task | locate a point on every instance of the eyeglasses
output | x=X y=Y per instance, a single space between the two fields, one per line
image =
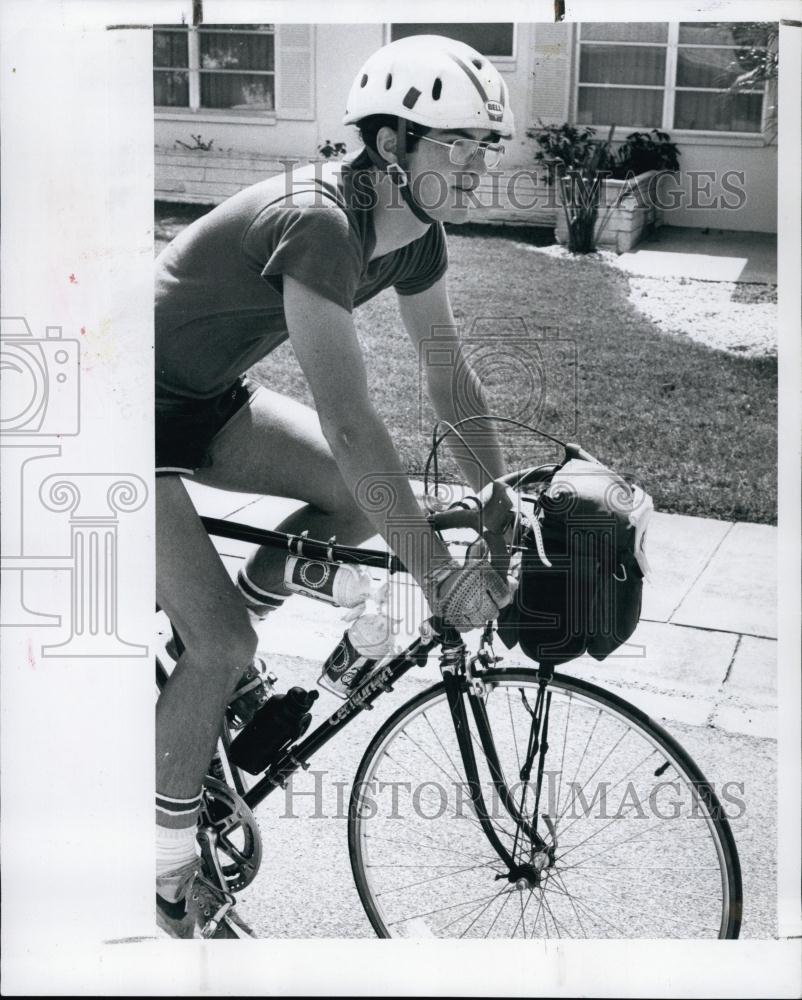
x=464 y=150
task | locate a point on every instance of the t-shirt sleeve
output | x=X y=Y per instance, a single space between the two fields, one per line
x=313 y=244
x=429 y=262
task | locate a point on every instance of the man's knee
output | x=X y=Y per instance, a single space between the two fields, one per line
x=228 y=646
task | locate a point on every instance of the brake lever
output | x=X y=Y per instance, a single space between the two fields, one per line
x=498 y=515
x=492 y=516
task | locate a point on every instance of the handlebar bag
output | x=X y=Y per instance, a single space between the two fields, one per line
x=580 y=585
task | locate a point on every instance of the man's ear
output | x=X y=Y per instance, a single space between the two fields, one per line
x=387 y=144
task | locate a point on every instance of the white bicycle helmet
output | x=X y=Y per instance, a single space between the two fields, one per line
x=432 y=81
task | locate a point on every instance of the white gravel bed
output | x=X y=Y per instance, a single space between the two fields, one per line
x=737 y=318
x=705 y=312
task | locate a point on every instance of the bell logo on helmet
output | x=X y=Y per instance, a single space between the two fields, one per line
x=494 y=110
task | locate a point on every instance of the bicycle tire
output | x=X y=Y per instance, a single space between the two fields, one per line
x=696 y=889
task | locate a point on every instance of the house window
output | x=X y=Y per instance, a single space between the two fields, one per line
x=669 y=76
x=495 y=40
x=215 y=67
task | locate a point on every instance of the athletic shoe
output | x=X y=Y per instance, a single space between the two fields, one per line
x=203 y=911
x=250 y=694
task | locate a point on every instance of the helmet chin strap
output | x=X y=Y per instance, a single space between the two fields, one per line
x=397 y=172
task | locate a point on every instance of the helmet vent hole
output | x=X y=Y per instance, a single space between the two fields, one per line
x=388 y=82
x=437 y=89
x=364 y=80
x=477 y=63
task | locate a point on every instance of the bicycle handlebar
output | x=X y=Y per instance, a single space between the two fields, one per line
x=492 y=511
x=490 y=518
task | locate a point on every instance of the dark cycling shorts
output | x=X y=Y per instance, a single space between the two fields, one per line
x=186 y=427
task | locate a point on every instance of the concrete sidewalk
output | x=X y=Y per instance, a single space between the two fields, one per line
x=708 y=254
x=705 y=652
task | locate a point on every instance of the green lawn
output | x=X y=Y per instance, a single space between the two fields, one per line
x=558 y=344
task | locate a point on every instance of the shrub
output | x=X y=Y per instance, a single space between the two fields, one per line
x=642 y=151
x=565 y=146
x=570 y=147
x=580 y=163
x=331 y=150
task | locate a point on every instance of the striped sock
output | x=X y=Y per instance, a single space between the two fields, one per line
x=259 y=602
x=176 y=844
x=175 y=814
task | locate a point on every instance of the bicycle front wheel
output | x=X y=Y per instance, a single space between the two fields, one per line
x=631 y=840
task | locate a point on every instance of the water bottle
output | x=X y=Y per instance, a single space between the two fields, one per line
x=336 y=583
x=363 y=645
x=277 y=724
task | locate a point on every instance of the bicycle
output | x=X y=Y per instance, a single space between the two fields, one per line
x=504 y=844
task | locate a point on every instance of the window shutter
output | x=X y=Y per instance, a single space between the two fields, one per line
x=551 y=86
x=295 y=71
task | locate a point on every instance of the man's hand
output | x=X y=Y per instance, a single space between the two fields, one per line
x=469 y=596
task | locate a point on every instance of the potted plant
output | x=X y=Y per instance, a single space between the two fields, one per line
x=606 y=197
x=331 y=150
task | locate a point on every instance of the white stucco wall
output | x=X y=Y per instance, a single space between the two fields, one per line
x=726 y=185
x=741 y=194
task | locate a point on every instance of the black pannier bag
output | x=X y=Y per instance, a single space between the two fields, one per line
x=581 y=581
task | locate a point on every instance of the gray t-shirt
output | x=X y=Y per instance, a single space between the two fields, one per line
x=219 y=306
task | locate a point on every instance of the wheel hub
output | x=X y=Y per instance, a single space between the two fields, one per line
x=525 y=877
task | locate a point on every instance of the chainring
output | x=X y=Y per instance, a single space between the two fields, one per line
x=232 y=834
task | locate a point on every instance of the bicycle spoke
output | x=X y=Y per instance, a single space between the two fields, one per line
x=635 y=836
x=585 y=750
x=418 y=866
x=426 y=754
x=514 y=735
x=634 y=912
x=604 y=759
x=478 y=915
x=459 y=781
x=451 y=906
x=500 y=911
x=619 y=930
x=653 y=889
x=448 y=756
x=430 y=847
x=571 y=900
x=592 y=836
x=472 y=819
x=523 y=911
x=428 y=881
x=562 y=758
x=623 y=778
x=482 y=907
x=554 y=920
x=611 y=876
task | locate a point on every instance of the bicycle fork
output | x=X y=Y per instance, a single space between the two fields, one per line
x=523 y=874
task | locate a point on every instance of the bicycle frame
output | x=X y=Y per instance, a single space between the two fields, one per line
x=455 y=675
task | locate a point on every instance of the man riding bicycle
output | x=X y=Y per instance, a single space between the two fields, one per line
x=291 y=257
